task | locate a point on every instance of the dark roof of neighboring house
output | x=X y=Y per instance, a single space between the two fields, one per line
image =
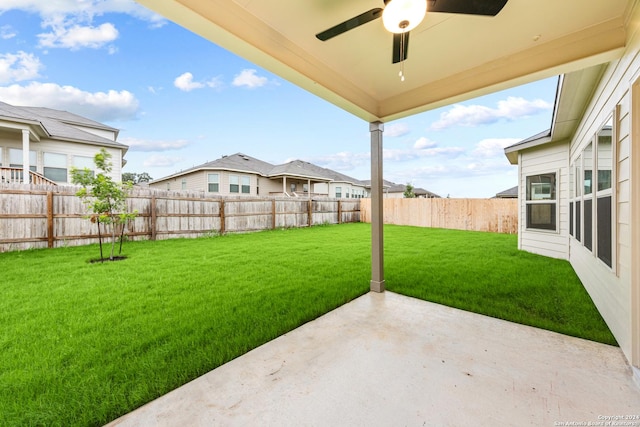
x=59 y=124
x=242 y=163
x=301 y=169
x=392 y=187
x=237 y=162
x=422 y=192
x=510 y=193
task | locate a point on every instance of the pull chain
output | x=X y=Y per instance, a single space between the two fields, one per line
x=403 y=25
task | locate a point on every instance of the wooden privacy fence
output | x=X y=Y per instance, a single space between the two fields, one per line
x=494 y=215
x=39 y=216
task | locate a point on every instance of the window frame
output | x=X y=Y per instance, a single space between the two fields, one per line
x=46 y=170
x=245 y=184
x=590 y=200
x=530 y=202
x=215 y=183
x=234 y=184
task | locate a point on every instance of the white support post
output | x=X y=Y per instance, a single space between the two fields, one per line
x=309 y=188
x=25 y=157
x=284 y=186
x=377 y=220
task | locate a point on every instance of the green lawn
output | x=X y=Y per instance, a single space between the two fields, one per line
x=81 y=343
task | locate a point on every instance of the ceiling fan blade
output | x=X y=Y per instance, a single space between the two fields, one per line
x=469 y=7
x=400 y=48
x=350 y=24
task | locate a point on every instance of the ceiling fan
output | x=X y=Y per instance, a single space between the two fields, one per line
x=401 y=16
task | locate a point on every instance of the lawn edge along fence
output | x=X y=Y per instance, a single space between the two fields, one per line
x=47 y=216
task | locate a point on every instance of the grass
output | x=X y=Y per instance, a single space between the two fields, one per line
x=81 y=343
x=487 y=274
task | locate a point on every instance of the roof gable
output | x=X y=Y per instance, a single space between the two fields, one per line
x=59 y=124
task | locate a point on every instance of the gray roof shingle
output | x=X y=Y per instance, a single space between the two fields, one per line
x=59 y=124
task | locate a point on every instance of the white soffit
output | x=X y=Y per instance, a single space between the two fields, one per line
x=450 y=58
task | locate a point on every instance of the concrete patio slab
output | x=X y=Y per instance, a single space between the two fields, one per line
x=390 y=360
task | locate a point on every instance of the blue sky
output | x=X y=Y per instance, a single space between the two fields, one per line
x=180 y=101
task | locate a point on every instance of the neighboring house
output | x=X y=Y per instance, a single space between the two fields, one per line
x=242 y=175
x=391 y=190
x=510 y=193
x=579 y=188
x=50 y=142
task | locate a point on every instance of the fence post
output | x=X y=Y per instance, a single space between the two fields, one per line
x=339 y=212
x=273 y=214
x=153 y=217
x=309 y=212
x=222 y=220
x=50 y=219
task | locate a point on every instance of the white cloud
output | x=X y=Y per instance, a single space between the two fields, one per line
x=159 y=160
x=7 y=32
x=77 y=36
x=100 y=106
x=423 y=148
x=70 y=23
x=423 y=143
x=15 y=67
x=249 y=79
x=396 y=129
x=473 y=115
x=406 y=155
x=84 y=10
x=136 y=144
x=343 y=161
x=493 y=147
x=185 y=82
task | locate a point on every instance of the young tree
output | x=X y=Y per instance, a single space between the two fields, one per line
x=105 y=199
x=408 y=192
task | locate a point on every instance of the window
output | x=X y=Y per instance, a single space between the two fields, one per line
x=591 y=207
x=234 y=184
x=541 y=202
x=83 y=162
x=213 y=182
x=15 y=159
x=571 y=197
x=183 y=184
x=55 y=167
x=603 y=209
x=293 y=187
x=246 y=185
x=338 y=192
x=587 y=217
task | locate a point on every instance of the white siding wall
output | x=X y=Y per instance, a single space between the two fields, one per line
x=69 y=149
x=549 y=158
x=198 y=181
x=609 y=288
x=268 y=186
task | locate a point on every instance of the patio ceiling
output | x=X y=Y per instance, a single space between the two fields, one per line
x=450 y=57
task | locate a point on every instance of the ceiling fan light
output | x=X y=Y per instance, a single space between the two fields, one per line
x=400 y=16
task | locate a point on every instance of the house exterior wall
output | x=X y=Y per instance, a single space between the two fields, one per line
x=198 y=181
x=614 y=289
x=270 y=187
x=549 y=158
x=10 y=141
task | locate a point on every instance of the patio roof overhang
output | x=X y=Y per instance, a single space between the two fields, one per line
x=451 y=57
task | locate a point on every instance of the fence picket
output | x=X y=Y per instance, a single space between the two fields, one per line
x=38 y=216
